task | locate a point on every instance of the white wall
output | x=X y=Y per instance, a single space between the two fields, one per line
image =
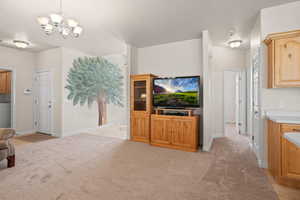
x=78 y=119
x=223 y=59
x=173 y=59
x=119 y=115
x=23 y=63
x=52 y=60
x=75 y=118
x=229 y=96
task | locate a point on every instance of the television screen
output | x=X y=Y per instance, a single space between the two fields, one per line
x=176 y=92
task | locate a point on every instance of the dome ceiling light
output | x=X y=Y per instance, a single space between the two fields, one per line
x=21 y=44
x=234 y=41
x=56 y=22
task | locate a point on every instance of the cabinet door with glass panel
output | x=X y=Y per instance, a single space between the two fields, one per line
x=141 y=93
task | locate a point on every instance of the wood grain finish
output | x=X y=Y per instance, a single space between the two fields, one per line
x=283 y=156
x=287 y=62
x=5 y=82
x=290 y=160
x=284 y=59
x=178 y=132
x=140 y=125
x=11 y=161
x=160 y=130
x=140 y=118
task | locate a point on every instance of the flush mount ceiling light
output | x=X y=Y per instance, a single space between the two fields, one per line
x=21 y=44
x=55 y=22
x=234 y=40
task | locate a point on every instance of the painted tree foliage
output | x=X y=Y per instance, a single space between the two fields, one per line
x=94 y=79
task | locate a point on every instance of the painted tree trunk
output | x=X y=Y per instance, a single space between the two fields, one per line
x=101 y=110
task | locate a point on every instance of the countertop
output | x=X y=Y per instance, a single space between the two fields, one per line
x=282 y=116
x=293 y=137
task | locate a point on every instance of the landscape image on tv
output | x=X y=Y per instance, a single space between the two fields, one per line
x=176 y=92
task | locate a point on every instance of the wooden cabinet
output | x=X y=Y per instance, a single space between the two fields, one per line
x=178 y=132
x=5 y=82
x=141 y=107
x=283 y=156
x=161 y=130
x=290 y=160
x=283 y=59
x=184 y=132
x=140 y=125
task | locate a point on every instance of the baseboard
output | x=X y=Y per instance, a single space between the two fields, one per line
x=25 y=132
x=208 y=146
x=70 y=133
x=264 y=164
x=219 y=135
x=92 y=130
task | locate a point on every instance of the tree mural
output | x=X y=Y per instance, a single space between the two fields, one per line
x=94 y=79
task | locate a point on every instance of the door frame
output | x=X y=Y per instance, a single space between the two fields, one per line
x=242 y=73
x=12 y=96
x=35 y=94
x=257 y=138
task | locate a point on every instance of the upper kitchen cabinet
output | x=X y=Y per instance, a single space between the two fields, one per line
x=283 y=59
x=5 y=82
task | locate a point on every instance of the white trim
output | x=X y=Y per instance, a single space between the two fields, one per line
x=207 y=147
x=26 y=132
x=129 y=66
x=85 y=130
x=207 y=83
x=13 y=95
x=36 y=72
x=219 y=134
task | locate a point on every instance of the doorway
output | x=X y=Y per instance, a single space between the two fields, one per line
x=7 y=97
x=43 y=102
x=234 y=102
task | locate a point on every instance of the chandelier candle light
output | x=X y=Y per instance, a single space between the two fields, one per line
x=56 y=23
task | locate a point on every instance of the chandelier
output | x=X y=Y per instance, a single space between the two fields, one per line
x=56 y=22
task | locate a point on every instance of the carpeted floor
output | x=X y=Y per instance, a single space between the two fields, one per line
x=89 y=167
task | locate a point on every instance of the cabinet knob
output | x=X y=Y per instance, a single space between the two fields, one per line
x=290 y=55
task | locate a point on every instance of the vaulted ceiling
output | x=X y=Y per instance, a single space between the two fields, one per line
x=107 y=23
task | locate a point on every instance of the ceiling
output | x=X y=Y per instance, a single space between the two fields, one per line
x=141 y=23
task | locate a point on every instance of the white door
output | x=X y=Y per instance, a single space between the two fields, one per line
x=237 y=103
x=256 y=104
x=240 y=102
x=43 y=102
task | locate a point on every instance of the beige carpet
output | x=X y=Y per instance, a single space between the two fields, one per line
x=89 y=167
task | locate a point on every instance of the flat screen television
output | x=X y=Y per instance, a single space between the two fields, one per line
x=178 y=92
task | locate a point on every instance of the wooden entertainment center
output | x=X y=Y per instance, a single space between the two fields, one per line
x=152 y=125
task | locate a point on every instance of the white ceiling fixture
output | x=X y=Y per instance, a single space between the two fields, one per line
x=235 y=40
x=55 y=22
x=21 y=44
